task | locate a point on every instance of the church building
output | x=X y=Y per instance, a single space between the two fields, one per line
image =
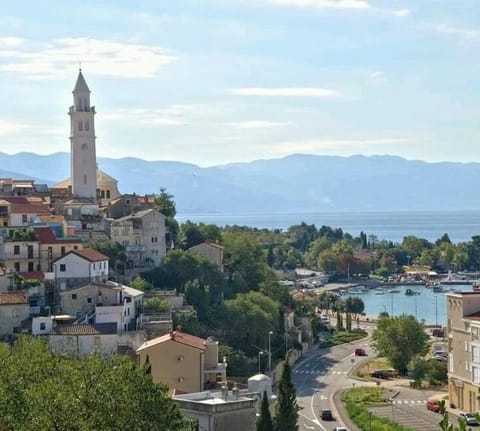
x=87 y=182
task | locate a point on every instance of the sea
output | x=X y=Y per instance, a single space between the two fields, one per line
x=385 y=225
x=426 y=305
x=392 y=226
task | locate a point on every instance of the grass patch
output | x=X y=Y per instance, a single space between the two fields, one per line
x=358 y=401
x=342 y=337
x=375 y=364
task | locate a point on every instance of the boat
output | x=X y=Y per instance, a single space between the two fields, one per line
x=393 y=290
x=379 y=291
x=476 y=286
x=438 y=288
x=410 y=292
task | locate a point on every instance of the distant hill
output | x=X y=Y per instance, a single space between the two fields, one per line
x=296 y=183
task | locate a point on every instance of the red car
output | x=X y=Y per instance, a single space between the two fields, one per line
x=360 y=352
x=434 y=406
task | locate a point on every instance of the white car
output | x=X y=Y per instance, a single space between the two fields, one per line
x=470 y=418
x=340 y=429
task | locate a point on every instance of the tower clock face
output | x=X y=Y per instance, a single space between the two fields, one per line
x=84 y=146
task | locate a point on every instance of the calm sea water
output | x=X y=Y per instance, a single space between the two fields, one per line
x=393 y=226
x=428 y=305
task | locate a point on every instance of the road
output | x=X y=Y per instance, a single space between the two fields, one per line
x=323 y=372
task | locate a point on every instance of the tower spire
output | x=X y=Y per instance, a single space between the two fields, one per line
x=81 y=85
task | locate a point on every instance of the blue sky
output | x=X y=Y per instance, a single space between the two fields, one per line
x=219 y=81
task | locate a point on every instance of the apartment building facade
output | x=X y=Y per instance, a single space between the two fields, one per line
x=463 y=315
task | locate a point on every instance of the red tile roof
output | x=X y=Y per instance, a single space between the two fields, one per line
x=90 y=254
x=13 y=298
x=45 y=235
x=179 y=337
x=474 y=316
x=32 y=275
x=92 y=329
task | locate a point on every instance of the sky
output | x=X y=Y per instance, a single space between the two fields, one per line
x=213 y=82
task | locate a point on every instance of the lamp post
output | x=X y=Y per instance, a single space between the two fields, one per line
x=270 y=351
x=260 y=353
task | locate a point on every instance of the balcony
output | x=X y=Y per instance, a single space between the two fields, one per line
x=135 y=248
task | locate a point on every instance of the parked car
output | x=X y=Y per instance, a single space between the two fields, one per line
x=326 y=415
x=360 y=352
x=434 y=406
x=470 y=418
x=340 y=429
x=384 y=374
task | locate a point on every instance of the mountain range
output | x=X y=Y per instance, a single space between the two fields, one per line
x=297 y=183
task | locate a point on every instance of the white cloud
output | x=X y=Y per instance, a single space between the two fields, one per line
x=145 y=117
x=346 y=5
x=101 y=57
x=284 y=91
x=325 y=4
x=378 y=76
x=401 y=13
x=8 y=127
x=259 y=124
x=10 y=41
x=467 y=35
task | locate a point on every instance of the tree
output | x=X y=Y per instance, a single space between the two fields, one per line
x=165 y=204
x=286 y=408
x=265 y=422
x=247 y=320
x=43 y=391
x=399 y=339
x=156 y=305
x=140 y=283
x=417 y=370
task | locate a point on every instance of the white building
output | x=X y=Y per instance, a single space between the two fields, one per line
x=143 y=236
x=14 y=309
x=82 y=340
x=104 y=303
x=79 y=267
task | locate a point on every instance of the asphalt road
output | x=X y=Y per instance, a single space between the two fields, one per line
x=323 y=372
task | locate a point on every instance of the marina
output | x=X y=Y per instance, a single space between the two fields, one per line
x=427 y=304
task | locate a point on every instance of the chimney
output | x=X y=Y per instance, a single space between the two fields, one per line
x=224 y=391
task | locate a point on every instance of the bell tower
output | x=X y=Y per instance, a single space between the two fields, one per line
x=82 y=142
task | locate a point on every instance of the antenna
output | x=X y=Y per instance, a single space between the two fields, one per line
x=80 y=66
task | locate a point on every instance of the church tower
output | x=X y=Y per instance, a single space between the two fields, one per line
x=82 y=142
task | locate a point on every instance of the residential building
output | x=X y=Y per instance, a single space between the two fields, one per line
x=104 y=303
x=79 y=267
x=143 y=236
x=211 y=251
x=183 y=362
x=83 y=340
x=220 y=410
x=128 y=204
x=14 y=310
x=463 y=326
x=51 y=247
x=22 y=211
x=20 y=255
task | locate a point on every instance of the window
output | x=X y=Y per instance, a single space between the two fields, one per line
x=63 y=250
x=43 y=326
x=74 y=296
x=17 y=266
x=16 y=249
x=89 y=300
x=63 y=267
x=87 y=125
x=75 y=247
x=102 y=194
x=94 y=265
x=476 y=354
x=24 y=218
x=80 y=125
x=476 y=375
x=108 y=194
x=30 y=266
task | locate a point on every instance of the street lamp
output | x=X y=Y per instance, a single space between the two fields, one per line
x=260 y=353
x=270 y=351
